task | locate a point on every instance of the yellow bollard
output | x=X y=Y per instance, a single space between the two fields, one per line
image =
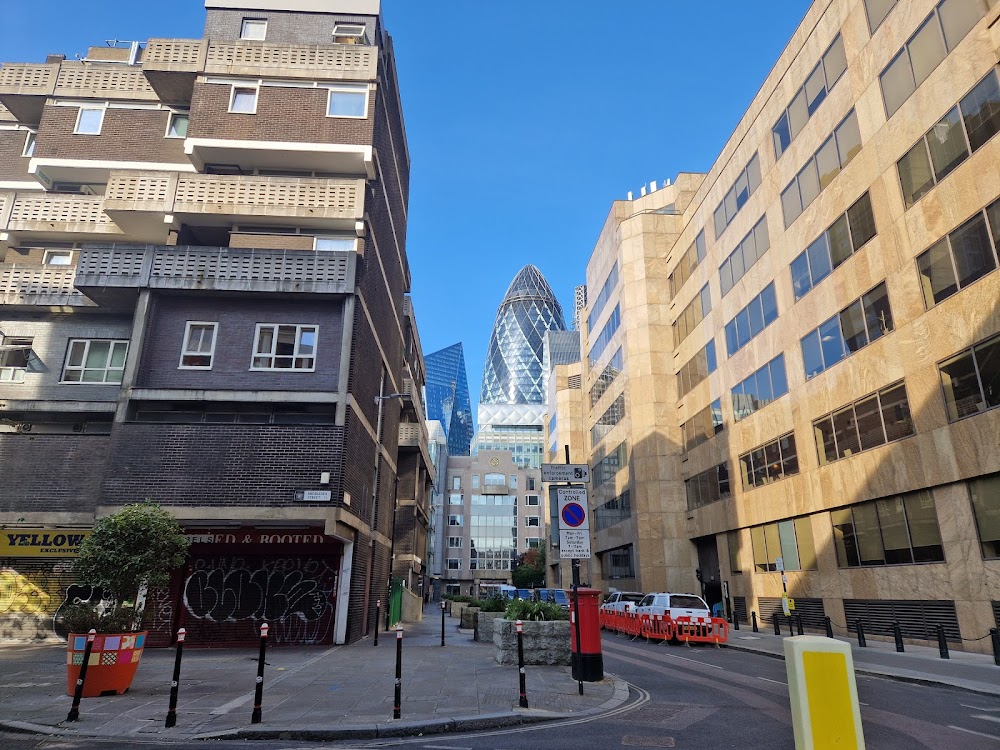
x=824 y=694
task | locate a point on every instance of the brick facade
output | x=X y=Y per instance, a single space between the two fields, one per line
x=51 y=473
x=13 y=166
x=283 y=27
x=126 y=135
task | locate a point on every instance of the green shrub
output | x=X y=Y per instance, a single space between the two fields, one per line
x=82 y=618
x=493 y=604
x=520 y=609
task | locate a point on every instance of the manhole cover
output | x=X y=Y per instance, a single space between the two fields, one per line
x=632 y=740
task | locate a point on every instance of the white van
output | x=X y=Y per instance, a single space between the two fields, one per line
x=675 y=605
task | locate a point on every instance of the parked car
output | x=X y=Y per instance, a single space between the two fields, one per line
x=675 y=605
x=554 y=596
x=617 y=600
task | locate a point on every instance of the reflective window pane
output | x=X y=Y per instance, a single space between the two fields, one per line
x=759 y=476
x=789 y=550
x=986 y=507
x=988 y=361
x=819 y=259
x=852 y=323
x=866 y=531
x=815 y=89
x=835 y=62
x=922 y=522
x=897 y=82
x=937 y=275
x=732 y=343
x=926 y=49
x=947 y=144
x=831 y=342
x=791 y=203
x=870 y=429
x=825 y=442
x=862 y=220
x=895 y=539
x=846 y=433
x=782 y=136
x=878 y=315
x=958 y=17
x=801 y=280
x=877 y=11
x=808 y=180
x=773 y=542
x=779 y=381
x=961 y=386
x=981 y=110
x=839 y=238
x=828 y=162
x=848 y=139
x=915 y=176
x=789 y=456
x=756 y=315
x=806 y=545
x=812 y=354
x=769 y=304
x=798 y=113
x=896 y=413
x=753 y=173
x=844 y=538
x=761 y=237
x=759 y=549
x=971 y=248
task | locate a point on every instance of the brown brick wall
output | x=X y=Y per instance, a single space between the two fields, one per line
x=126 y=135
x=13 y=166
x=283 y=114
x=272 y=241
x=51 y=473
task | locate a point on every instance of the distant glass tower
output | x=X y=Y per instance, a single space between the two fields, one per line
x=448 y=399
x=513 y=401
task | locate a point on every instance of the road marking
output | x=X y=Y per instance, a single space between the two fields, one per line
x=978 y=708
x=978 y=734
x=984 y=717
x=445 y=747
x=25 y=685
x=776 y=682
x=693 y=661
x=225 y=708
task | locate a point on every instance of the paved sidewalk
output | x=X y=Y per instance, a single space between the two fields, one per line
x=974 y=672
x=341 y=692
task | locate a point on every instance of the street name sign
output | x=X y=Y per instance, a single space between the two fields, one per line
x=565 y=473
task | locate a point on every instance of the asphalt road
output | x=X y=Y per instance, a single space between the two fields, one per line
x=698 y=697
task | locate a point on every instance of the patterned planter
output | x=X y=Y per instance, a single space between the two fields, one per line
x=113 y=662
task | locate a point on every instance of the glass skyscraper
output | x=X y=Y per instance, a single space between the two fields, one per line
x=513 y=396
x=448 y=399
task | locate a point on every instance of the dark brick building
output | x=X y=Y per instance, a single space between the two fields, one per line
x=204 y=303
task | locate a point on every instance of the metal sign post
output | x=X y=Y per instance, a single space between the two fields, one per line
x=574 y=536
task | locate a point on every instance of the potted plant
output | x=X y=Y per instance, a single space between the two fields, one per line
x=127 y=553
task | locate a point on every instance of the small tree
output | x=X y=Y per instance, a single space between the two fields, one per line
x=137 y=546
x=529 y=569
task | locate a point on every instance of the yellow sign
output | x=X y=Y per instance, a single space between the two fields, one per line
x=41 y=542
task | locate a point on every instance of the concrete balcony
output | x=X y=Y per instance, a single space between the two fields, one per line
x=411 y=398
x=53 y=216
x=113 y=274
x=32 y=286
x=25 y=87
x=140 y=200
x=410 y=435
x=95 y=80
x=171 y=65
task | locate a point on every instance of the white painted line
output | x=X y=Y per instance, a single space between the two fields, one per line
x=862 y=704
x=776 y=682
x=445 y=747
x=243 y=700
x=984 y=717
x=978 y=734
x=694 y=661
x=978 y=708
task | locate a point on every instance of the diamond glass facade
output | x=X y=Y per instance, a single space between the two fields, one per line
x=448 y=398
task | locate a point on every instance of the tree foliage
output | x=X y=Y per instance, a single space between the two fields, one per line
x=140 y=544
x=529 y=569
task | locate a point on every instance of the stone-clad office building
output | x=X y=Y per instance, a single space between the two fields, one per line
x=797 y=353
x=204 y=282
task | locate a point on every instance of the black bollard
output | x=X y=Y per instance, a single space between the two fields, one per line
x=862 y=643
x=798 y=623
x=442 y=623
x=897 y=634
x=942 y=643
x=523 y=702
x=829 y=627
x=736 y=621
x=398 y=698
x=753 y=618
x=378 y=619
x=175 y=682
x=995 y=637
x=777 y=625
x=74 y=712
x=258 y=697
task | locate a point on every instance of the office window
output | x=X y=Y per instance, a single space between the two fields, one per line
x=495 y=480
x=614 y=414
x=15 y=354
x=456 y=483
x=531 y=521
x=835 y=154
x=750 y=249
x=746 y=184
x=692 y=315
x=971 y=380
x=349 y=33
x=617 y=563
x=604 y=337
x=243 y=100
x=454 y=542
x=455 y=520
x=767 y=384
x=807 y=99
x=940 y=32
x=961 y=257
x=89 y=121
x=869 y=422
x=95 y=361
x=769 y=463
x=751 y=320
x=981 y=111
x=285 y=347
x=877 y=10
x=857 y=325
x=699 y=367
x=898 y=530
x=735 y=544
x=607 y=289
x=513 y=482
x=334 y=244
x=454 y=563
x=29 y=143
x=703 y=426
x=57 y=258
x=475 y=481
x=985 y=493
x=348 y=101
x=693 y=256
x=532 y=542
x=198 y=350
x=791 y=540
x=253 y=29
x=708 y=487
x=177 y=125
x=455 y=498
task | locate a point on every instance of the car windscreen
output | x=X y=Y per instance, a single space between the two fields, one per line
x=561 y=597
x=687 y=601
x=631 y=598
x=524 y=593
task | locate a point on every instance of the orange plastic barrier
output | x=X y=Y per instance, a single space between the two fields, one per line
x=702 y=629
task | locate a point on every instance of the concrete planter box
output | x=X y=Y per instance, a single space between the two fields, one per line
x=545 y=643
x=456 y=608
x=469 y=618
x=484 y=626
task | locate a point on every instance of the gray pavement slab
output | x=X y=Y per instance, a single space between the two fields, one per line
x=325 y=692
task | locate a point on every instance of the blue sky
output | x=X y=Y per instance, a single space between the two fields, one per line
x=525 y=119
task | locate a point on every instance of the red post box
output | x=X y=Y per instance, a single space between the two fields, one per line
x=588 y=663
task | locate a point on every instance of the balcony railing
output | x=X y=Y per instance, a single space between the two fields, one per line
x=28 y=79
x=225 y=269
x=56 y=213
x=22 y=284
x=108 y=80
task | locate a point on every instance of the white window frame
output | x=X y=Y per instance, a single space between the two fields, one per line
x=350 y=30
x=347 y=89
x=454 y=542
x=453 y=495
x=48 y=255
x=30 y=141
x=299 y=328
x=456 y=483
x=528 y=542
x=529 y=498
x=456 y=566
x=9 y=374
x=87 y=108
x=253 y=22
x=83 y=368
x=455 y=517
x=338 y=238
x=243 y=87
x=170 y=121
x=528 y=522
x=186 y=342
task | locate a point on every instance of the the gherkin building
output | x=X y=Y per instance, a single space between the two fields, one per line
x=514 y=373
